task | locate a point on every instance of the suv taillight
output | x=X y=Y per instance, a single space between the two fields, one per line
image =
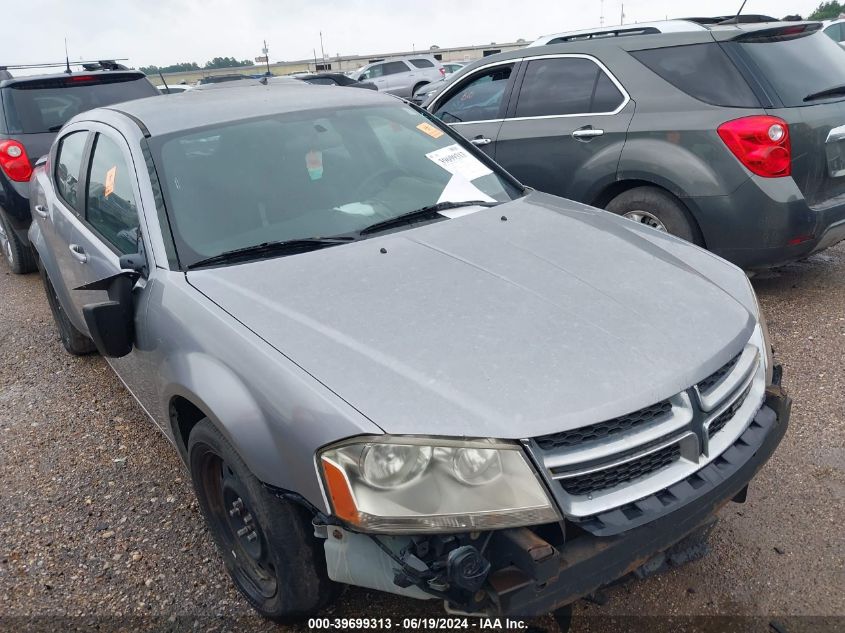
x=761 y=143
x=442 y=71
x=14 y=161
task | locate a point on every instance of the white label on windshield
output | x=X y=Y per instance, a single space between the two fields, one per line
x=456 y=160
x=459 y=189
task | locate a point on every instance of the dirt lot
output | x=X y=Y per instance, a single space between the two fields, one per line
x=98 y=521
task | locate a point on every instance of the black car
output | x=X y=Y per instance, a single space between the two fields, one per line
x=731 y=136
x=32 y=110
x=335 y=79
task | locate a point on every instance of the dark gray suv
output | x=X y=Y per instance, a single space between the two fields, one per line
x=732 y=137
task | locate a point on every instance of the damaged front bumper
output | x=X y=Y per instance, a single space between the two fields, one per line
x=587 y=562
x=527 y=572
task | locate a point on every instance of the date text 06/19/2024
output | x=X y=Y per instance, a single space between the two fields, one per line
x=444 y=624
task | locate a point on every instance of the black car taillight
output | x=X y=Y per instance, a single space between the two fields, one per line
x=14 y=161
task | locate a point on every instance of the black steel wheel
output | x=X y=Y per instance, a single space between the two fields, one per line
x=267 y=543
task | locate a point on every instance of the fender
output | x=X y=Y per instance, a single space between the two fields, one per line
x=221 y=395
x=677 y=169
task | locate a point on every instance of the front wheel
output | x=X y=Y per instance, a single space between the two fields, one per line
x=267 y=543
x=658 y=209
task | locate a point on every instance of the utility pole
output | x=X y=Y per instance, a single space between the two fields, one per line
x=321 y=46
x=601 y=17
x=266 y=52
x=622 y=17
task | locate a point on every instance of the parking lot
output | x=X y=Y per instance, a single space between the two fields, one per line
x=99 y=520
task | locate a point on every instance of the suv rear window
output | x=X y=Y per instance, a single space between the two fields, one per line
x=422 y=63
x=721 y=84
x=44 y=105
x=799 y=67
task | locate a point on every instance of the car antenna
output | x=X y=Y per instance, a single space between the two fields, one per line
x=67 y=59
x=742 y=6
x=166 y=88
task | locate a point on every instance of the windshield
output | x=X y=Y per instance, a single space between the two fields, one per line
x=312 y=174
x=34 y=107
x=800 y=67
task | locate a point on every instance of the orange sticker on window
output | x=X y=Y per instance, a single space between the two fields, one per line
x=108 y=188
x=429 y=129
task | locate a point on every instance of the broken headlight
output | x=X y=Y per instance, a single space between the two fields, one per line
x=416 y=485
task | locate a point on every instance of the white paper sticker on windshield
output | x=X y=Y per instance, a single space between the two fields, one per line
x=459 y=189
x=456 y=160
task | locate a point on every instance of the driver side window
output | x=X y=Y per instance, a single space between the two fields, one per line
x=479 y=98
x=111 y=209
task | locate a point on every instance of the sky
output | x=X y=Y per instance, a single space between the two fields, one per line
x=163 y=32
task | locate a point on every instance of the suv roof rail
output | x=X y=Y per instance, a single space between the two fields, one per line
x=620 y=31
x=97 y=64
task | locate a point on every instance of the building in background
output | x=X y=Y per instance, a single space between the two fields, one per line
x=345 y=63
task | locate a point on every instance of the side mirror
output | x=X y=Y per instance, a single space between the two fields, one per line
x=112 y=323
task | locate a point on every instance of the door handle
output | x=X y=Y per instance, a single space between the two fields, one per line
x=479 y=141
x=41 y=211
x=586 y=133
x=78 y=253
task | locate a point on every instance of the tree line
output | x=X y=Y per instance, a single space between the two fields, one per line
x=827 y=11
x=217 y=62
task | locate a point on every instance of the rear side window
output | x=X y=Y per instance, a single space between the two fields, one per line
x=68 y=162
x=799 y=68
x=111 y=208
x=45 y=105
x=394 y=68
x=566 y=85
x=702 y=71
x=422 y=63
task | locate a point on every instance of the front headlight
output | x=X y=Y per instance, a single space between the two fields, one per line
x=416 y=485
x=761 y=335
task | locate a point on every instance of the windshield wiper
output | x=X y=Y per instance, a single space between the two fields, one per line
x=55 y=128
x=271 y=249
x=426 y=213
x=828 y=92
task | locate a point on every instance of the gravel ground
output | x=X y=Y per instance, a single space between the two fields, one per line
x=98 y=521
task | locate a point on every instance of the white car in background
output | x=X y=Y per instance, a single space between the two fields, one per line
x=835 y=30
x=402 y=76
x=453 y=67
x=175 y=89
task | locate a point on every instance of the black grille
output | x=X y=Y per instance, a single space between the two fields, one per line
x=719 y=423
x=615 y=475
x=707 y=384
x=603 y=429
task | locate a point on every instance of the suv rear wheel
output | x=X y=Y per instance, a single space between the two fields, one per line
x=658 y=209
x=17 y=255
x=267 y=543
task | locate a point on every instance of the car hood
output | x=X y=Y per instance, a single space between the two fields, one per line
x=536 y=316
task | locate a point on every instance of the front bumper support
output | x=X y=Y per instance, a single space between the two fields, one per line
x=588 y=562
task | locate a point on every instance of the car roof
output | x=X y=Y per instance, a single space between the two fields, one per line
x=200 y=108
